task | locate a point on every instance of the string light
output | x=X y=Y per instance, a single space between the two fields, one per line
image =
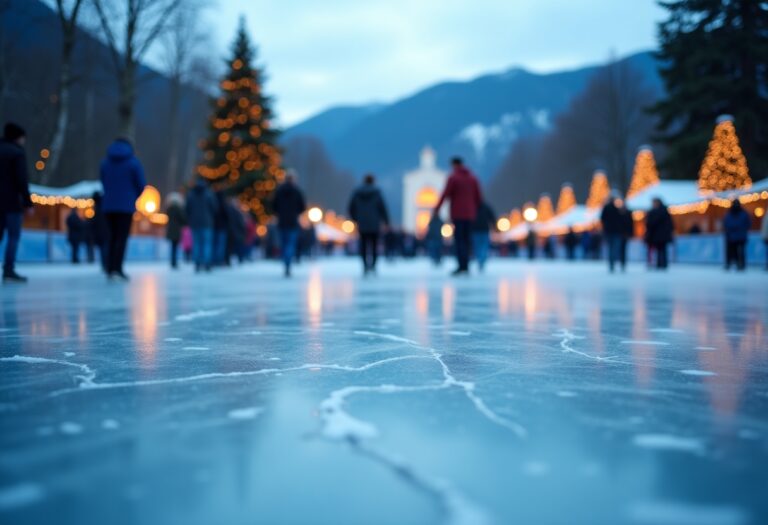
x=566 y=200
x=599 y=190
x=724 y=168
x=645 y=173
x=544 y=208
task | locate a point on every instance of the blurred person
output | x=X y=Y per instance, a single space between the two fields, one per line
x=482 y=226
x=369 y=211
x=463 y=191
x=764 y=235
x=434 y=240
x=177 y=219
x=14 y=196
x=736 y=226
x=288 y=204
x=98 y=230
x=614 y=219
x=659 y=231
x=586 y=244
x=122 y=177
x=186 y=242
x=530 y=243
x=75 y=234
x=570 y=241
x=221 y=230
x=201 y=209
x=236 y=231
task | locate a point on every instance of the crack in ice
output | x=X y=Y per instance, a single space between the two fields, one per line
x=86 y=380
x=565 y=343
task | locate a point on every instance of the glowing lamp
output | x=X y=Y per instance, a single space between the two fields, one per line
x=446 y=231
x=503 y=224
x=530 y=214
x=149 y=201
x=348 y=226
x=315 y=214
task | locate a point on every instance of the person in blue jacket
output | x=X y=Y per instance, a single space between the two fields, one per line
x=736 y=225
x=122 y=177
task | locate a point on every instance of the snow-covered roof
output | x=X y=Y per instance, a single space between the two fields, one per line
x=671 y=192
x=578 y=215
x=80 y=190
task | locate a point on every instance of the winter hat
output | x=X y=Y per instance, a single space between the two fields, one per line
x=13 y=132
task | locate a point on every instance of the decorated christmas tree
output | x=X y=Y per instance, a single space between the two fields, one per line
x=599 y=190
x=544 y=207
x=645 y=173
x=566 y=200
x=241 y=155
x=515 y=217
x=724 y=168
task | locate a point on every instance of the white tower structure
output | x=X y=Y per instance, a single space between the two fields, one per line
x=421 y=191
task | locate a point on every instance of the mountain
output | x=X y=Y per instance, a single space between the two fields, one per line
x=479 y=119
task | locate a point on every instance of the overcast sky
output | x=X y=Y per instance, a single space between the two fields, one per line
x=330 y=52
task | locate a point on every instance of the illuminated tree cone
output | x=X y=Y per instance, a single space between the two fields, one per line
x=515 y=217
x=566 y=200
x=599 y=190
x=241 y=154
x=544 y=207
x=645 y=173
x=724 y=168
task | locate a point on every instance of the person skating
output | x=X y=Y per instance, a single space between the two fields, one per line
x=288 y=204
x=659 y=230
x=463 y=190
x=76 y=234
x=484 y=223
x=368 y=209
x=736 y=226
x=98 y=230
x=14 y=196
x=434 y=240
x=122 y=177
x=614 y=220
x=570 y=241
x=201 y=209
x=764 y=235
x=177 y=219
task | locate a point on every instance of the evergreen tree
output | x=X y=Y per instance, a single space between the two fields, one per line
x=715 y=56
x=599 y=190
x=645 y=173
x=566 y=200
x=241 y=154
x=724 y=167
x=544 y=207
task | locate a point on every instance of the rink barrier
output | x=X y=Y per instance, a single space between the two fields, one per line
x=52 y=247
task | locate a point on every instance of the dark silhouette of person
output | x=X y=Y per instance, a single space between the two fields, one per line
x=75 y=234
x=288 y=204
x=177 y=219
x=736 y=226
x=617 y=227
x=14 y=196
x=368 y=209
x=201 y=208
x=659 y=231
x=571 y=241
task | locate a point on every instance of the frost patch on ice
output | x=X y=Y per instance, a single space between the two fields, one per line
x=86 y=379
x=706 y=348
x=195 y=348
x=673 y=513
x=274 y=359
x=173 y=339
x=70 y=429
x=110 y=424
x=668 y=442
x=458 y=333
x=200 y=313
x=566 y=393
x=536 y=468
x=255 y=332
x=666 y=331
x=244 y=413
x=20 y=495
x=701 y=373
x=644 y=343
x=69 y=354
x=388 y=337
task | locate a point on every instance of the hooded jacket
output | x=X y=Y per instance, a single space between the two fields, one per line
x=288 y=204
x=463 y=190
x=14 y=184
x=367 y=209
x=122 y=177
x=201 y=206
x=736 y=225
x=659 y=227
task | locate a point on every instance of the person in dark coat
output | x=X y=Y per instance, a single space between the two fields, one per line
x=736 y=226
x=122 y=177
x=614 y=219
x=75 y=234
x=236 y=231
x=220 y=230
x=98 y=230
x=530 y=243
x=482 y=226
x=177 y=219
x=434 y=240
x=764 y=235
x=463 y=190
x=570 y=241
x=659 y=230
x=368 y=210
x=14 y=196
x=201 y=209
x=288 y=204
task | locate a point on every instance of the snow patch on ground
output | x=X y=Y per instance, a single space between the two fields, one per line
x=668 y=442
x=199 y=314
x=700 y=373
x=71 y=429
x=110 y=424
x=244 y=413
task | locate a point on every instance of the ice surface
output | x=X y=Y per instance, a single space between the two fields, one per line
x=541 y=393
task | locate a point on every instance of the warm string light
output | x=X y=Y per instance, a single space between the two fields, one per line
x=724 y=167
x=515 y=217
x=566 y=200
x=599 y=190
x=645 y=173
x=544 y=208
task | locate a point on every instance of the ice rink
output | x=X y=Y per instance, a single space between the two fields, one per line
x=534 y=394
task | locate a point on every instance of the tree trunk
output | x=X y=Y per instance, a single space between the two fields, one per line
x=62 y=120
x=173 y=139
x=127 y=99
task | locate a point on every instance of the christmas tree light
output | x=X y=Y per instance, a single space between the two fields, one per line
x=566 y=200
x=724 y=167
x=599 y=190
x=645 y=173
x=544 y=207
x=515 y=217
x=241 y=155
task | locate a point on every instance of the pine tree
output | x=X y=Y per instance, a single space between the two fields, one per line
x=599 y=190
x=715 y=56
x=241 y=154
x=566 y=200
x=645 y=173
x=544 y=207
x=724 y=168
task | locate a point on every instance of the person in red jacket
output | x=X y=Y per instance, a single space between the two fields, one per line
x=463 y=190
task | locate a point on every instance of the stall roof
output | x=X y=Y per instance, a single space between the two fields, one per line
x=671 y=192
x=81 y=190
